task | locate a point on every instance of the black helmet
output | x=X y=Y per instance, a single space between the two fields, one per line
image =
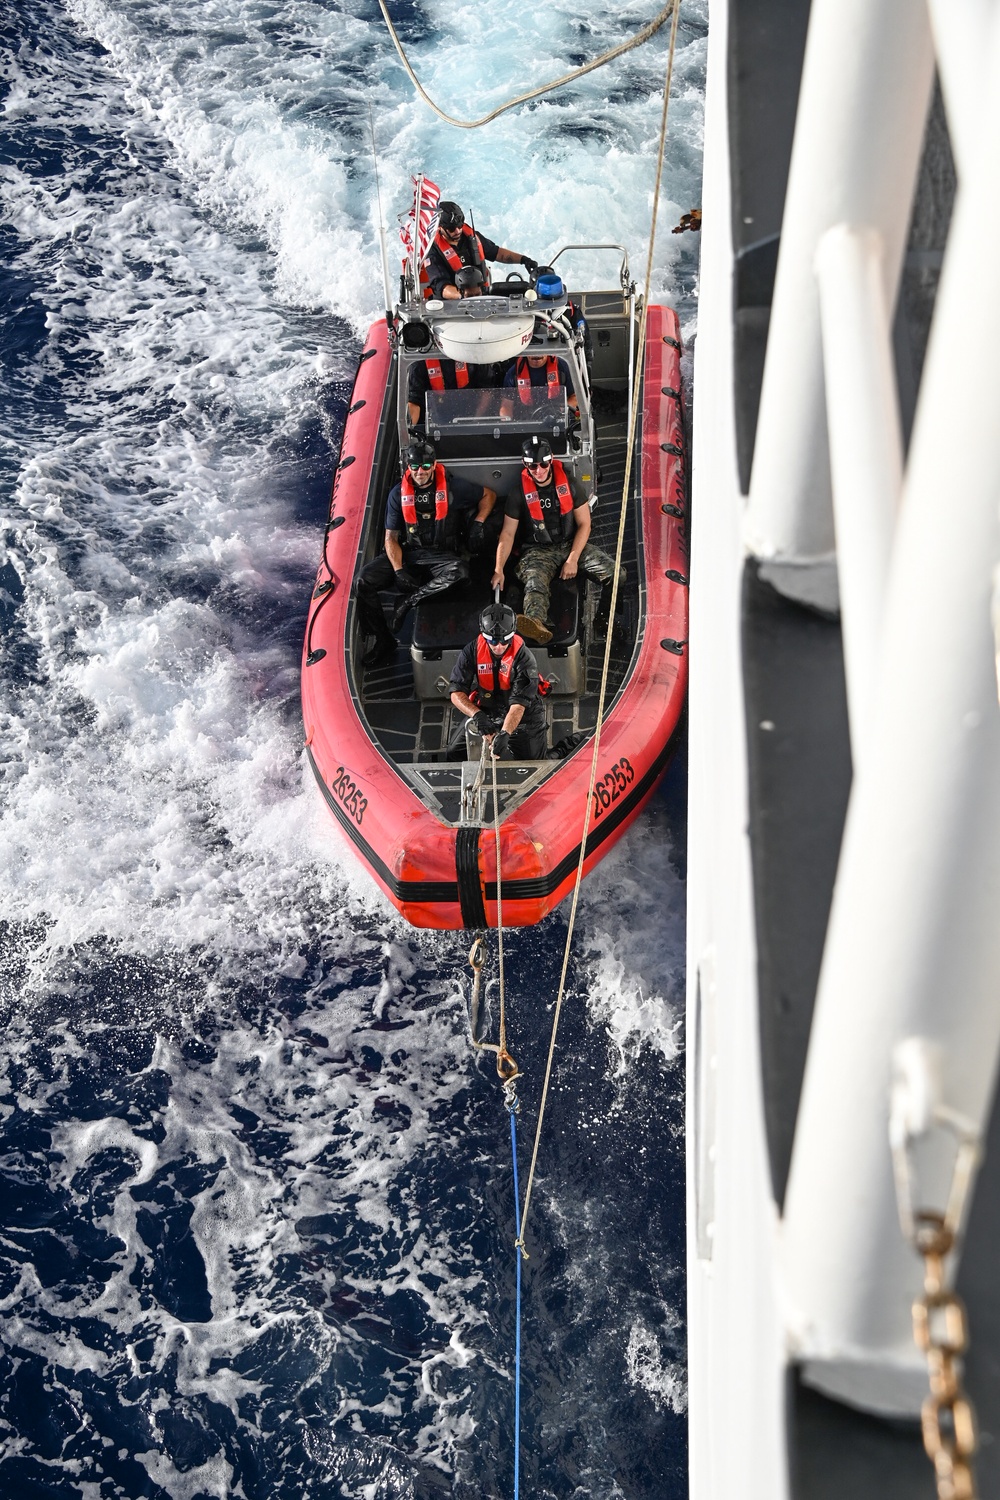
x=420 y=454
x=450 y=216
x=536 y=450
x=497 y=623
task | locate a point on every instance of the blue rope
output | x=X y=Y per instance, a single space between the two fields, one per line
x=517 y=1335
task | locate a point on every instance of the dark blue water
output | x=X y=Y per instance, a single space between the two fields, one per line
x=256 y=1225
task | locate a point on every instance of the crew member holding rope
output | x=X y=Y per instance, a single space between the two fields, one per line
x=456 y=264
x=495 y=684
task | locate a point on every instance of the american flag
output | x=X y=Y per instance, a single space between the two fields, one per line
x=426 y=195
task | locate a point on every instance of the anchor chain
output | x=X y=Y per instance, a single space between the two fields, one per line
x=940 y=1325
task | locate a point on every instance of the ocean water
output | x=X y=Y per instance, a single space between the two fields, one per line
x=256 y=1219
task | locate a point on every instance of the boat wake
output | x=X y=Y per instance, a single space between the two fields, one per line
x=256 y=1233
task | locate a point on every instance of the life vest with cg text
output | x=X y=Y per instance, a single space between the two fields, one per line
x=435 y=374
x=485 y=661
x=407 y=490
x=540 y=532
x=552 y=381
x=456 y=262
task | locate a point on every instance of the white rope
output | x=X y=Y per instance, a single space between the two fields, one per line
x=496 y=834
x=633 y=422
x=546 y=88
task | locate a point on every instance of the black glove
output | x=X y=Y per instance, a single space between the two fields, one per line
x=501 y=743
x=484 y=723
x=531 y=266
x=406 y=581
x=476 y=536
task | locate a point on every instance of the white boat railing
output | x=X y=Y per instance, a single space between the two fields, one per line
x=913 y=942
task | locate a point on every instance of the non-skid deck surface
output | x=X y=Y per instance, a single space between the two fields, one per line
x=410 y=730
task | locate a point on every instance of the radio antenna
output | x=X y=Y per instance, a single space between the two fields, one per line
x=381 y=225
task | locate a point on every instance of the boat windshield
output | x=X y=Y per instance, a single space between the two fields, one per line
x=450 y=413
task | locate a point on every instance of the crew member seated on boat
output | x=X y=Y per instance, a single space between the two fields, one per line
x=495 y=684
x=441 y=374
x=558 y=514
x=537 y=378
x=457 y=250
x=421 y=543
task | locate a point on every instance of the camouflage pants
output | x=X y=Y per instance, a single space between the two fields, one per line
x=539 y=565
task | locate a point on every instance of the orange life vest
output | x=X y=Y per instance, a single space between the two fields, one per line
x=407 y=491
x=487 y=665
x=542 y=537
x=435 y=374
x=456 y=262
x=552 y=380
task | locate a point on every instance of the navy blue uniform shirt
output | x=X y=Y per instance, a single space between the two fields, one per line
x=540 y=376
x=517 y=505
x=481 y=377
x=462 y=495
x=440 y=274
x=523 y=682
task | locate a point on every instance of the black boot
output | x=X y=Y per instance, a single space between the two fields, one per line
x=380 y=652
x=602 y=614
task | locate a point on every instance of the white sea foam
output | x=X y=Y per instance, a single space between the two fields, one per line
x=158 y=737
x=632 y=916
x=662 y=1379
x=201 y=305
x=213 y=1478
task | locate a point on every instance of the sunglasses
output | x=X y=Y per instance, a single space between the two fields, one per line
x=420 y=466
x=498 y=640
x=537 y=463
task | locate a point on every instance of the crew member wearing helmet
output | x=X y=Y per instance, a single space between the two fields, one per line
x=456 y=264
x=495 y=684
x=421 y=543
x=558 y=514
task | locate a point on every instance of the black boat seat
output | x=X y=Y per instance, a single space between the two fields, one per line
x=449 y=621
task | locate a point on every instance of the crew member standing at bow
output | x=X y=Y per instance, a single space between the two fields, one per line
x=494 y=683
x=457 y=250
x=559 y=516
x=421 y=543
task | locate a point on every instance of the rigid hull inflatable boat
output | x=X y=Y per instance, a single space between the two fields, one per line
x=385 y=744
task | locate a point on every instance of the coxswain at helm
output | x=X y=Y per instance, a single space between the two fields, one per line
x=557 y=511
x=456 y=263
x=537 y=377
x=495 y=683
x=420 y=556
